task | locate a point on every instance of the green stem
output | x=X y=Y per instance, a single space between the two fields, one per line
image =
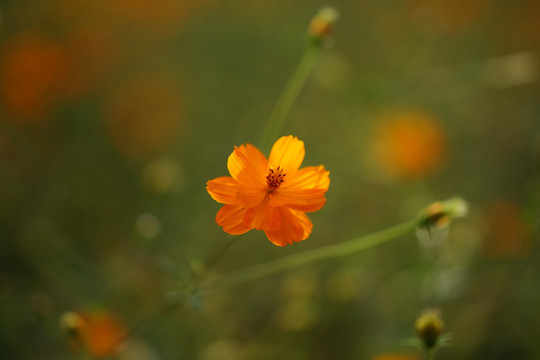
x=327 y=252
x=280 y=265
x=215 y=255
x=158 y=312
x=275 y=123
x=429 y=354
x=289 y=96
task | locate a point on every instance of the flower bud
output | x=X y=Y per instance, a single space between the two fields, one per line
x=321 y=26
x=441 y=213
x=429 y=326
x=72 y=323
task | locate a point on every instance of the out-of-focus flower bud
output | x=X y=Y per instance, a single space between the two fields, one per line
x=429 y=326
x=72 y=323
x=441 y=213
x=321 y=26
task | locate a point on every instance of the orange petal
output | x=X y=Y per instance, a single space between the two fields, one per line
x=306 y=200
x=311 y=177
x=248 y=166
x=263 y=217
x=230 y=218
x=304 y=190
x=223 y=190
x=306 y=223
x=295 y=226
x=250 y=197
x=287 y=153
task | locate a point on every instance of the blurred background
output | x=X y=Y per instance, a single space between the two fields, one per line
x=114 y=114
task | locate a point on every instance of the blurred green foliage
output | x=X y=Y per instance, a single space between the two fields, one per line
x=114 y=114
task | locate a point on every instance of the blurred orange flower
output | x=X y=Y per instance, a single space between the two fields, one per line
x=506 y=233
x=156 y=15
x=143 y=115
x=409 y=144
x=102 y=332
x=95 y=51
x=452 y=15
x=524 y=27
x=34 y=73
x=98 y=331
x=271 y=195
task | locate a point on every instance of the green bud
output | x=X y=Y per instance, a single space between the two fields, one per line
x=441 y=213
x=429 y=326
x=321 y=26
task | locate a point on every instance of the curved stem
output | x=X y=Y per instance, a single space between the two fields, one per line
x=215 y=255
x=277 y=266
x=308 y=257
x=288 y=96
x=154 y=314
x=275 y=123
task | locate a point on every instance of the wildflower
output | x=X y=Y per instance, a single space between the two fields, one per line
x=143 y=115
x=429 y=327
x=34 y=71
x=441 y=213
x=322 y=25
x=271 y=194
x=449 y=16
x=72 y=323
x=409 y=144
x=99 y=332
x=506 y=233
x=161 y=17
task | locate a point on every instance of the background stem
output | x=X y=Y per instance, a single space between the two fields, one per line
x=304 y=258
x=288 y=97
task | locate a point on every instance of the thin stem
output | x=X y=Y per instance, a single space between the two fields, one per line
x=289 y=96
x=430 y=354
x=275 y=123
x=214 y=256
x=274 y=267
x=150 y=317
x=308 y=257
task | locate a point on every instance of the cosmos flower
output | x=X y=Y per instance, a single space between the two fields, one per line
x=34 y=71
x=506 y=233
x=409 y=144
x=271 y=194
x=99 y=332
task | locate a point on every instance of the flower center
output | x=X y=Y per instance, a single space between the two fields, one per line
x=275 y=178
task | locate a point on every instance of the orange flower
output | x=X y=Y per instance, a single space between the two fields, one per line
x=409 y=144
x=143 y=115
x=34 y=72
x=99 y=331
x=271 y=195
x=506 y=233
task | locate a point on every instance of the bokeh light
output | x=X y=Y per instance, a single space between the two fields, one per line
x=35 y=75
x=409 y=144
x=143 y=115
